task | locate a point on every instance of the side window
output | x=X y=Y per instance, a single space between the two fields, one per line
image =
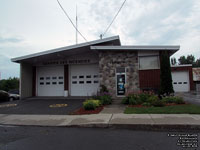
x=149 y=62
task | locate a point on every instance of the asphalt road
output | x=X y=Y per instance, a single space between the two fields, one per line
x=55 y=138
x=41 y=106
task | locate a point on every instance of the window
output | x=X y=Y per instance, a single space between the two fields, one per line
x=81 y=77
x=54 y=83
x=95 y=76
x=74 y=82
x=88 y=76
x=74 y=77
x=149 y=62
x=175 y=82
x=60 y=77
x=184 y=82
x=47 y=83
x=81 y=82
x=47 y=78
x=180 y=83
x=54 y=78
x=96 y=81
x=60 y=82
x=41 y=78
x=41 y=83
x=88 y=82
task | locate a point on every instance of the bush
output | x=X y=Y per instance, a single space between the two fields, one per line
x=173 y=99
x=152 y=99
x=179 y=100
x=146 y=104
x=103 y=89
x=144 y=96
x=105 y=99
x=91 y=104
x=138 y=98
x=158 y=103
x=134 y=100
x=125 y=100
x=4 y=96
x=168 y=99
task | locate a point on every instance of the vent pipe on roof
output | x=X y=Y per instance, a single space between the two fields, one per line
x=101 y=36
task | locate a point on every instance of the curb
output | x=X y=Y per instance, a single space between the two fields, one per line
x=146 y=127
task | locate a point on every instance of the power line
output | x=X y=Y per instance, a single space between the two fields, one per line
x=71 y=21
x=113 y=19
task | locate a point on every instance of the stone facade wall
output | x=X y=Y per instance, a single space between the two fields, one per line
x=109 y=61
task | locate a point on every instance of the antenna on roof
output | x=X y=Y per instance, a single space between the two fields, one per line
x=76 y=26
x=101 y=36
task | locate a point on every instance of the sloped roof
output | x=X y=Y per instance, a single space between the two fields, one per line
x=115 y=41
x=171 y=48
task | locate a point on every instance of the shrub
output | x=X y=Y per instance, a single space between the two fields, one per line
x=144 y=96
x=146 y=104
x=125 y=100
x=152 y=99
x=105 y=98
x=4 y=96
x=91 y=104
x=103 y=89
x=134 y=100
x=137 y=98
x=158 y=103
x=179 y=100
x=173 y=99
x=168 y=99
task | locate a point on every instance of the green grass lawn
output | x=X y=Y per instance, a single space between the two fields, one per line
x=177 y=109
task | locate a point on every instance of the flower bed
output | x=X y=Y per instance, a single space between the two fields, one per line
x=82 y=111
x=96 y=103
x=149 y=99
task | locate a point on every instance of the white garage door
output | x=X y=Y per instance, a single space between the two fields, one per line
x=50 y=81
x=181 y=81
x=84 y=80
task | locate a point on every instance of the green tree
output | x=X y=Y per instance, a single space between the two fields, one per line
x=9 y=84
x=182 y=60
x=165 y=75
x=190 y=59
x=197 y=63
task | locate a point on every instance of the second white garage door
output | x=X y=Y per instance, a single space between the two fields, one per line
x=181 y=81
x=84 y=80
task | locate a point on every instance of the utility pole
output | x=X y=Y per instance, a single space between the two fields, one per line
x=76 y=26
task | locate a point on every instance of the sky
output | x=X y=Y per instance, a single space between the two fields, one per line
x=36 y=25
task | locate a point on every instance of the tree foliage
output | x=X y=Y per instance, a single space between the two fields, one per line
x=165 y=75
x=9 y=84
x=190 y=59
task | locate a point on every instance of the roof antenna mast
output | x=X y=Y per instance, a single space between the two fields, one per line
x=76 y=26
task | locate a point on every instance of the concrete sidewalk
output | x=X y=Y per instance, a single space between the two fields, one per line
x=134 y=121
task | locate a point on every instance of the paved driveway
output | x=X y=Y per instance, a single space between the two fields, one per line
x=191 y=97
x=41 y=106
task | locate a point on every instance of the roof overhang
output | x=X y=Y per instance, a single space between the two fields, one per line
x=82 y=47
x=171 y=48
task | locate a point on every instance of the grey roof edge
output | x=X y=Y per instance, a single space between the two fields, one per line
x=138 y=47
x=16 y=59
